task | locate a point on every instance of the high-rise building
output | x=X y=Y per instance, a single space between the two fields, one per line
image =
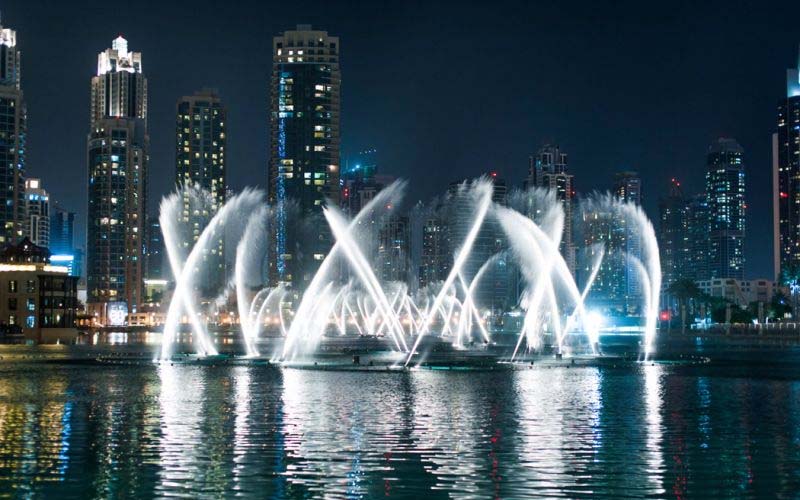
x=605 y=228
x=628 y=187
x=62 y=240
x=117 y=154
x=37 y=213
x=393 y=254
x=603 y=231
x=435 y=258
x=786 y=175
x=62 y=230
x=304 y=148
x=673 y=238
x=725 y=185
x=698 y=227
x=359 y=182
x=13 y=134
x=495 y=291
x=548 y=169
x=200 y=141
x=155 y=269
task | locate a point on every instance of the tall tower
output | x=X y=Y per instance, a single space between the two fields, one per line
x=62 y=231
x=628 y=187
x=304 y=148
x=200 y=141
x=786 y=175
x=37 y=213
x=548 y=169
x=726 y=208
x=117 y=154
x=672 y=234
x=698 y=226
x=13 y=129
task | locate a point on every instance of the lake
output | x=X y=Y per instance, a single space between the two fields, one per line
x=658 y=430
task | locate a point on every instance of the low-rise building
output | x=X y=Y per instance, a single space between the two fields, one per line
x=36 y=296
x=740 y=292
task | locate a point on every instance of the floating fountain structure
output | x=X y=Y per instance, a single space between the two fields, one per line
x=346 y=297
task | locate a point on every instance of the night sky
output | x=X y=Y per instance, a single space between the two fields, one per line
x=443 y=90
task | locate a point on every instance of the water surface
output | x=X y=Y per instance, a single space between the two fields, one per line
x=666 y=431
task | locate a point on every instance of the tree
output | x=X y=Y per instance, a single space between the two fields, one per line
x=684 y=290
x=790 y=277
x=779 y=306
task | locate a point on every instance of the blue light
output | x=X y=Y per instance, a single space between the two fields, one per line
x=62 y=258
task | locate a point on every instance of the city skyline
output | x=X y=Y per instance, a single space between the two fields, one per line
x=475 y=138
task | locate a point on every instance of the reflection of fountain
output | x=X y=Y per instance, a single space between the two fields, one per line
x=362 y=304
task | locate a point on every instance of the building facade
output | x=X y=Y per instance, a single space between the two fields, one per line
x=725 y=192
x=37 y=213
x=488 y=259
x=435 y=258
x=62 y=241
x=740 y=292
x=200 y=140
x=36 y=297
x=62 y=230
x=157 y=266
x=548 y=169
x=698 y=227
x=673 y=238
x=628 y=189
x=13 y=136
x=304 y=151
x=117 y=153
x=786 y=176
x=393 y=254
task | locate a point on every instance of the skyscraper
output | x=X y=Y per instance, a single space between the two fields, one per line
x=393 y=253
x=13 y=131
x=304 y=148
x=155 y=269
x=62 y=230
x=698 y=227
x=117 y=154
x=786 y=175
x=617 y=286
x=726 y=209
x=673 y=241
x=548 y=169
x=495 y=291
x=62 y=240
x=37 y=213
x=200 y=141
x=359 y=183
x=628 y=187
x=602 y=231
x=435 y=256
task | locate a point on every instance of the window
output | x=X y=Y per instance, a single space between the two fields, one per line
x=12 y=286
x=31 y=304
x=12 y=304
x=30 y=286
x=12 y=319
x=30 y=321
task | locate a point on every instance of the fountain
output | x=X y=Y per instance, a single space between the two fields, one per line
x=345 y=297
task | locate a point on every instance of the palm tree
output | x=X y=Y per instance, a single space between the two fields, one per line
x=790 y=278
x=684 y=290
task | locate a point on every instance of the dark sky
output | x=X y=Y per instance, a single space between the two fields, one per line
x=443 y=90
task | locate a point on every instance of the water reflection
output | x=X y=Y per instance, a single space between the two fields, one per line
x=660 y=431
x=653 y=398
